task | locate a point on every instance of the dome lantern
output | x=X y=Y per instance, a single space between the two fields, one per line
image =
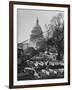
x=37 y=21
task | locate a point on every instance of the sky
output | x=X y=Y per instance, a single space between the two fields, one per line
x=26 y=20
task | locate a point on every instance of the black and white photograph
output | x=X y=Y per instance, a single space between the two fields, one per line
x=39 y=44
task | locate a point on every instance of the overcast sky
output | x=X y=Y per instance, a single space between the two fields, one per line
x=26 y=20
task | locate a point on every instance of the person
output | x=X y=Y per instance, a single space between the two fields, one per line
x=47 y=65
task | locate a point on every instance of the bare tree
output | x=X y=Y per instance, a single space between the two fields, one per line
x=56 y=29
x=58 y=35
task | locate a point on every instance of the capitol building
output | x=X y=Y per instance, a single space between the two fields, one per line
x=36 y=36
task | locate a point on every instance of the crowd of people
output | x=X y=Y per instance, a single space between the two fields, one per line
x=39 y=69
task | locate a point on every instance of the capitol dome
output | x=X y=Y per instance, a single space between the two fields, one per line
x=37 y=29
x=36 y=36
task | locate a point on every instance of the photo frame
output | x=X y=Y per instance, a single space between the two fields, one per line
x=39 y=44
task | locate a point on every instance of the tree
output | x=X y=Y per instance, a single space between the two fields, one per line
x=49 y=38
x=57 y=37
